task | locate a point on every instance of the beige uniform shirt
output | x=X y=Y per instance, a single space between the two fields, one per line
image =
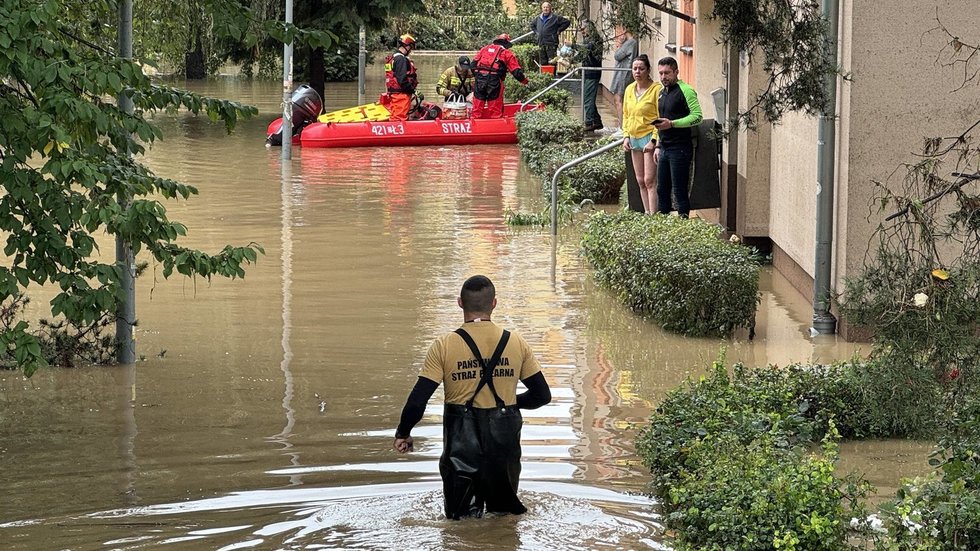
x=451 y=363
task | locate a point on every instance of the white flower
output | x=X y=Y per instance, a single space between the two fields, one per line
x=920 y=300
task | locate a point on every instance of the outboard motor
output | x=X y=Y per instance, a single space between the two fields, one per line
x=307 y=106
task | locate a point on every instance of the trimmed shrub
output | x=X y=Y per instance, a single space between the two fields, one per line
x=527 y=55
x=941 y=511
x=540 y=130
x=674 y=270
x=598 y=179
x=732 y=465
x=549 y=140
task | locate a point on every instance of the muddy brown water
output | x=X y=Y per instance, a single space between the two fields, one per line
x=261 y=413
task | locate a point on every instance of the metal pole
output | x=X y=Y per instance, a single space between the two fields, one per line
x=361 y=63
x=617 y=143
x=287 y=90
x=824 y=322
x=126 y=310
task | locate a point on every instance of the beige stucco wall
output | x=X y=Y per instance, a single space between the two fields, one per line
x=753 y=160
x=897 y=96
x=793 y=188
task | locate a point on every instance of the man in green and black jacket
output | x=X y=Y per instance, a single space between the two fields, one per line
x=679 y=111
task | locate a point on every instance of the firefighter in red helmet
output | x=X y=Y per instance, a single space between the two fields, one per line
x=490 y=68
x=400 y=78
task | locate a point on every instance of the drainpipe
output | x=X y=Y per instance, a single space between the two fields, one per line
x=824 y=322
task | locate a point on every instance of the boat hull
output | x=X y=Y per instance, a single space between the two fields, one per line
x=409 y=133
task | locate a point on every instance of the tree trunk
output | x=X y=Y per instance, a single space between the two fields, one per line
x=194 y=66
x=315 y=71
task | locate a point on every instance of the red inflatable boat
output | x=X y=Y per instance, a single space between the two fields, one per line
x=464 y=131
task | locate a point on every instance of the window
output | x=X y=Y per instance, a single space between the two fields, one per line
x=686 y=62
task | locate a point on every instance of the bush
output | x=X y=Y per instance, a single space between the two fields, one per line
x=598 y=179
x=941 y=511
x=527 y=55
x=549 y=140
x=675 y=270
x=540 y=130
x=731 y=464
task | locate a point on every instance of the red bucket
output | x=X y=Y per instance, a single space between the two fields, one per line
x=548 y=69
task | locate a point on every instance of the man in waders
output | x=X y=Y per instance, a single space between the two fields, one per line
x=480 y=364
x=490 y=67
x=401 y=79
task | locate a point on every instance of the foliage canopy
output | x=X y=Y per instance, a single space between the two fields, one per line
x=68 y=171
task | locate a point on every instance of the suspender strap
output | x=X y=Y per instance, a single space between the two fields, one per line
x=487 y=368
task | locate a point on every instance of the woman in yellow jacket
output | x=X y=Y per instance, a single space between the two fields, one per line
x=639 y=112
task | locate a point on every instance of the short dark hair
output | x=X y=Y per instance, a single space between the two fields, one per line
x=477 y=294
x=644 y=59
x=669 y=61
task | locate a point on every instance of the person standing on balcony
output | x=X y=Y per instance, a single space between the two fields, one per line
x=679 y=111
x=547 y=27
x=625 y=52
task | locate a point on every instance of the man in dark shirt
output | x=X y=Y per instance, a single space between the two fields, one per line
x=547 y=27
x=679 y=111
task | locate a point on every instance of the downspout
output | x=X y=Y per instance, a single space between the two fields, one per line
x=824 y=322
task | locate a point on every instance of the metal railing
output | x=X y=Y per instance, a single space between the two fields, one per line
x=565 y=77
x=618 y=136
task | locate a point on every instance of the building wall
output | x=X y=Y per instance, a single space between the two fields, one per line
x=754 y=161
x=897 y=96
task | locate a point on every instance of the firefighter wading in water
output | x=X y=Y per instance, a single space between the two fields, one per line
x=490 y=68
x=400 y=78
x=479 y=364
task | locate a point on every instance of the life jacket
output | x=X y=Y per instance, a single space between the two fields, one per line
x=488 y=72
x=391 y=81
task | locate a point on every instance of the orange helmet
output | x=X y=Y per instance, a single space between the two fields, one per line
x=406 y=40
x=503 y=39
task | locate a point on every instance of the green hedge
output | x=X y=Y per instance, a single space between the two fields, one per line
x=599 y=179
x=735 y=464
x=549 y=140
x=674 y=270
x=732 y=464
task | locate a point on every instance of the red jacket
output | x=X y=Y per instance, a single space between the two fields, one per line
x=490 y=67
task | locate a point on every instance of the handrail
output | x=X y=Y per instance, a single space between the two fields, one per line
x=522 y=37
x=566 y=76
x=554 y=180
x=549 y=87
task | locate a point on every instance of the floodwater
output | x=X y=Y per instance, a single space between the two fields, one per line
x=262 y=411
